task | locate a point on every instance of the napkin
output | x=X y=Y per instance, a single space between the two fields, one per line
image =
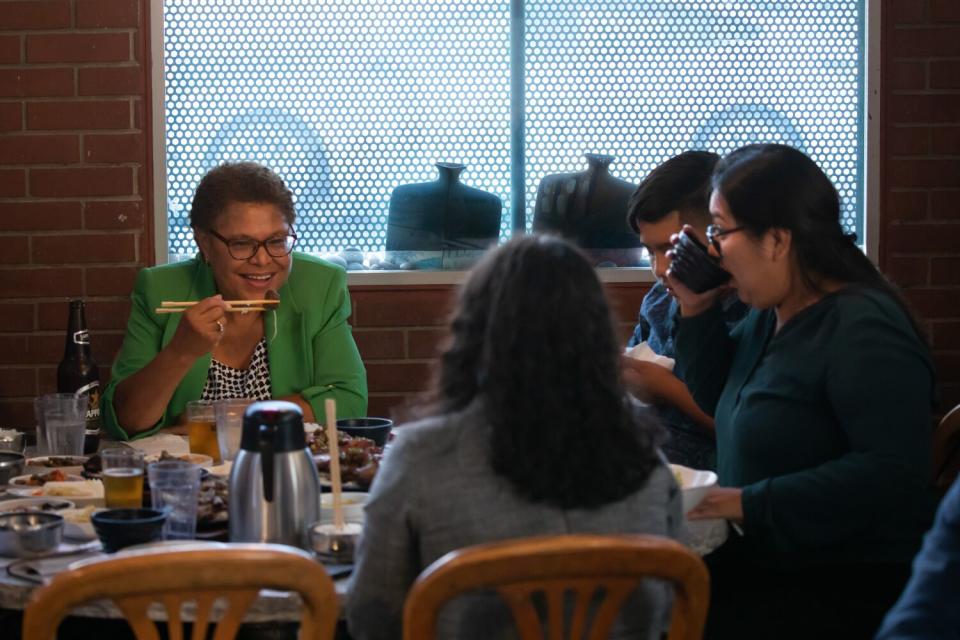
x=643 y=352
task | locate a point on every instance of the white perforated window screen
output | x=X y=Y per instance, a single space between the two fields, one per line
x=349 y=99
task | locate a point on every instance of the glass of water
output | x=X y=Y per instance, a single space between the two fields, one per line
x=229 y=415
x=175 y=489
x=61 y=421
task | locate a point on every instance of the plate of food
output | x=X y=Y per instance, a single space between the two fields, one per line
x=77 y=523
x=80 y=492
x=195 y=458
x=53 y=505
x=31 y=485
x=67 y=464
x=359 y=459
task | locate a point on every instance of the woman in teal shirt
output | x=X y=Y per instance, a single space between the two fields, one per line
x=822 y=399
x=242 y=216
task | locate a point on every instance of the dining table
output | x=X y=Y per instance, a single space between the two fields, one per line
x=19 y=577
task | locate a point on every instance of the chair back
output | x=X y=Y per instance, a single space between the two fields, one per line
x=581 y=565
x=946 y=450
x=172 y=578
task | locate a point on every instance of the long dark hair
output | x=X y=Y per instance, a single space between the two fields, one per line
x=533 y=340
x=771 y=186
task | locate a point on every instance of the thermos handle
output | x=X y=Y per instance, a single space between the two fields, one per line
x=266 y=460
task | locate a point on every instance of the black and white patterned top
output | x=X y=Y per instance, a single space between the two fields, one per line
x=225 y=382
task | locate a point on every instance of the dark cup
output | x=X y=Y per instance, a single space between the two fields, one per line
x=693 y=265
x=119 y=528
x=376 y=429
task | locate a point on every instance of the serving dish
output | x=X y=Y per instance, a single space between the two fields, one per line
x=23 y=535
x=19 y=486
x=67 y=464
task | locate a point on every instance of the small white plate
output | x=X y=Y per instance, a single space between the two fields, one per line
x=41 y=463
x=27 y=491
x=36 y=504
x=196 y=458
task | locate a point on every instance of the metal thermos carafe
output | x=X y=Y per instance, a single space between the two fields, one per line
x=274 y=486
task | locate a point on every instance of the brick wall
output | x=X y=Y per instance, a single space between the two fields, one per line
x=75 y=179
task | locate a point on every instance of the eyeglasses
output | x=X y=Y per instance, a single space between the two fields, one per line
x=714 y=233
x=277 y=247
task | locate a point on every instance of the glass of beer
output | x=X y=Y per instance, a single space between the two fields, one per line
x=122 y=477
x=202 y=429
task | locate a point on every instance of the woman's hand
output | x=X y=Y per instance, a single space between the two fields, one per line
x=655 y=384
x=720 y=502
x=201 y=328
x=691 y=304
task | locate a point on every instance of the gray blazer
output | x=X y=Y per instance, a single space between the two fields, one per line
x=436 y=492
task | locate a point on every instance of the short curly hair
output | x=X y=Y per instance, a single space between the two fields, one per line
x=238 y=182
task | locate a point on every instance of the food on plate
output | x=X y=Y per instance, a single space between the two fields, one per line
x=74 y=489
x=39 y=505
x=40 y=479
x=213 y=501
x=57 y=461
x=359 y=457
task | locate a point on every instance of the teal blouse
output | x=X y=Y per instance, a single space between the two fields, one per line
x=310 y=347
x=825 y=425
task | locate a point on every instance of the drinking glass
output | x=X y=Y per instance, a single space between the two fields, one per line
x=122 y=477
x=175 y=489
x=61 y=422
x=230 y=425
x=202 y=429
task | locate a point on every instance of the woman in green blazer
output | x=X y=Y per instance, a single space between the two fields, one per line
x=303 y=351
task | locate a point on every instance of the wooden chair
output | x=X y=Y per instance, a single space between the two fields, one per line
x=946 y=450
x=174 y=577
x=555 y=565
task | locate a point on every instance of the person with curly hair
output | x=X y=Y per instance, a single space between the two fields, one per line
x=529 y=431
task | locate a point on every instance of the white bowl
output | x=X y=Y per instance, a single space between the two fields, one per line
x=694 y=483
x=352 y=501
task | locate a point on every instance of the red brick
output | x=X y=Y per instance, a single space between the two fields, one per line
x=379 y=345
x=907 y=205
x=14 y=250
x=944 y=10
x=106 y=181
x=923 y=108
x=925 y=41
x=11 y=116
x=945 y=205
x=17 y=316
x=110 y=281
x=385 y=405
x=13 y=182
x=923 y=237
x=906 y=271
x=111 y=81
x=101 y=315
x=107 y=13
x=114 y=114
x=924 y=172
x=114 y=214
x=18 y=382
x=40 y=283
x=906 y=75
x=9 y=49
x=945 y=140
x=945 y=270
x=398 y=377
x=40 y=149
x=123 y=147
x=35 y=14
x=39 y=216
x=945 y=74
x=67 y=249
x=426 y=343
x=947 y=366
x=26 y=83
x=931 y=303
x=18 y=413
x=946 y=334
x=78 y=47
x=400 y=307
x=906 y=11
x=908 y=141
x=105 y=346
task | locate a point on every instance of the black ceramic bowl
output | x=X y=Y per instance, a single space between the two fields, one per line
x=119 y=528
x=693 y=265
x=377 y=429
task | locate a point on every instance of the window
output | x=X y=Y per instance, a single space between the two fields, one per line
x=349 y=99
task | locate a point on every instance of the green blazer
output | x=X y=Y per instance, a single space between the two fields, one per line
x=309 y=344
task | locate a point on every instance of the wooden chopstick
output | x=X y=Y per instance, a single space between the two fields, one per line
x=229 y=309
x=190 y=303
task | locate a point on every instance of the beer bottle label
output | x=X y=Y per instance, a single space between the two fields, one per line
x=92 y=391
x=81 y=337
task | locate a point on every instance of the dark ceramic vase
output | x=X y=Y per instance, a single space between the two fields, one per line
x=589 y=207
x=442 y=215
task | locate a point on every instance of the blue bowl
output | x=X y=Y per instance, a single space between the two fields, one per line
x=119 y=528
x=376 y=429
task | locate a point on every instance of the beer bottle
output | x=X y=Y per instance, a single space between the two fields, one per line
x=78 y=372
